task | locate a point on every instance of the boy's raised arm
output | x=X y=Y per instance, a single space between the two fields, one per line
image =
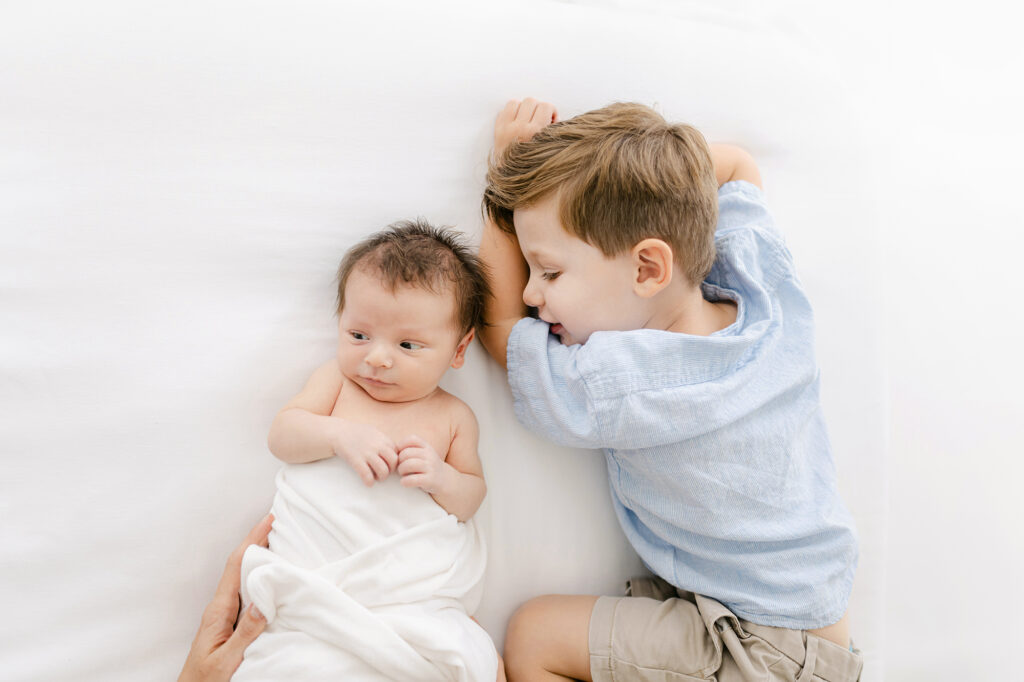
x=508 y=275
x=734 y=163
x=518 y=120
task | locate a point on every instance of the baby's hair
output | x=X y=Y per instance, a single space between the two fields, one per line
x=622 y=174
x=415 y=253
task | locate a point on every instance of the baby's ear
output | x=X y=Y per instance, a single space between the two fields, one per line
x=652 y=261
x=460 y=350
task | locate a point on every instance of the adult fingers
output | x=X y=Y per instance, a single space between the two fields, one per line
x=250 y=625
x=225 y=599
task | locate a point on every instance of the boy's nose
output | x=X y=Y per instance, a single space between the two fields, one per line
x=531 y=296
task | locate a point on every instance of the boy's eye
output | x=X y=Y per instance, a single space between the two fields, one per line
x=409 y=345
x=551 y=275
x=359 y=336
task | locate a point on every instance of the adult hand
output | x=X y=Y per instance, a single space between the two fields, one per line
x=220 y=643
x=521 y=121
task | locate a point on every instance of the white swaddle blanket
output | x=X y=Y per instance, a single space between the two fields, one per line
x=364 y=584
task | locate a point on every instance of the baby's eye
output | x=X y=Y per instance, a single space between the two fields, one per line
x=551 y=275
x=359 y=336
x=409 y=345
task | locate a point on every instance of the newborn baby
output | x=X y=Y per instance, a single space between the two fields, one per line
x=371 y=575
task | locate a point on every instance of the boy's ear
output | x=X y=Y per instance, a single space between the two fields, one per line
x=652 y=267
x=460 y=351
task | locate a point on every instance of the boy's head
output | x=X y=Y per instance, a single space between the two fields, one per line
x=618 y=179
x=409 y=300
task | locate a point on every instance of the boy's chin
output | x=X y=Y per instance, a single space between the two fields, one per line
x=565 y=337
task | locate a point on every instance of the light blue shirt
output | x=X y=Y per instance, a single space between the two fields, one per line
x=718 y=458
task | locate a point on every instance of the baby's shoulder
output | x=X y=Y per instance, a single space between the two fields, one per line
x=455 y=409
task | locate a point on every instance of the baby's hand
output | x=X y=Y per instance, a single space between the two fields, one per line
x=372 y=454
x=520 y=121
x=420 y=466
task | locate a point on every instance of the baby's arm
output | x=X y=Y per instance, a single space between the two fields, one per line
x=304 y=431
x=500 y=251
x=456 y=482
x=734 y=163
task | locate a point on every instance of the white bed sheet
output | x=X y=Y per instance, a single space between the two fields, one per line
x=179 y=183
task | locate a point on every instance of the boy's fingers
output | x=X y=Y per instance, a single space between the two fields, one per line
x=545 y=114
x=509 y=112
x=366 y=473
x=390 y=457
x=527 y=109
x=250 y=625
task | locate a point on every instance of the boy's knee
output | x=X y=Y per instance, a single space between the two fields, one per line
x=525 y=637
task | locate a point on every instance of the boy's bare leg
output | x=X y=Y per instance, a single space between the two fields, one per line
x=548 y=638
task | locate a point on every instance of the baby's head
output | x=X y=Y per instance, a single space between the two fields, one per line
x=409 y=301
x=610 y=208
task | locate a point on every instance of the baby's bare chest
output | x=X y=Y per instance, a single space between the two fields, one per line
x=424 y=418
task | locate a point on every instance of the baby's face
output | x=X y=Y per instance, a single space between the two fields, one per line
x=574 y=286
x=397 y=346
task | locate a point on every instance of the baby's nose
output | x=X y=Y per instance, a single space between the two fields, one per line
x=378 y=357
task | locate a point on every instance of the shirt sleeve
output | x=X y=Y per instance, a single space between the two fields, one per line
x=622 y=390
x=550 y=394
x=741 y=205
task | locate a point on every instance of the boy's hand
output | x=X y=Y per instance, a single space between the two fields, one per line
x=520 y=121
x=420 y=466
x=372 y=454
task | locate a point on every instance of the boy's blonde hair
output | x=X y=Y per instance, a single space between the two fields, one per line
x=622 y=174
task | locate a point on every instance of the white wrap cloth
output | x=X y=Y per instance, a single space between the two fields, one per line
x=364 y=583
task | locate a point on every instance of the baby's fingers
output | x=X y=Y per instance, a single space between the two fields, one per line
x=379 y=466
x=390 y=457
x=412 y=441
x=415 y=481
x=365 y=472
x=413 y=465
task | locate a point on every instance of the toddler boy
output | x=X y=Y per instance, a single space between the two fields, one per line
x=369 y=575
x=673 y=334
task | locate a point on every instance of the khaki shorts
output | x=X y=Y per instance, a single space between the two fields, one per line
x=662 y=634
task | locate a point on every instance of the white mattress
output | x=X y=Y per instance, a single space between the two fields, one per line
x=179 y=182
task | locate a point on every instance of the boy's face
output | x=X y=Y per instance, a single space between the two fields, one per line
x=575 y=287
x=396 y=346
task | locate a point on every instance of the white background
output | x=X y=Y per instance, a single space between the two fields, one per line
x=939 y=86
